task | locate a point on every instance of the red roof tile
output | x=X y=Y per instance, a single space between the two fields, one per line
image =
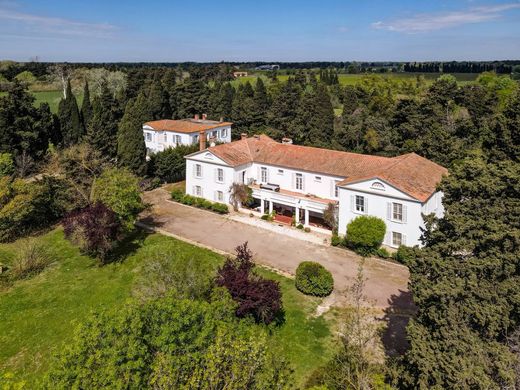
x=410 y=173
x=185 y=125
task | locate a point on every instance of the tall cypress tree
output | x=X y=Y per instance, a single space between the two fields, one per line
x=70 y=121
x=131 y=149
x=86 y=107
x=284 y=108
x=314 y=122
x=261 y=105
x=102 y=130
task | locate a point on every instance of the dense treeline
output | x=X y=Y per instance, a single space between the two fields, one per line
x=10 y=69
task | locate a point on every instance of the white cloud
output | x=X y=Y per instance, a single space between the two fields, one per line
x=438 y=21
x=58 y=26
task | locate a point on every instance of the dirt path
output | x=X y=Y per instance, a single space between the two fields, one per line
x=386 y=283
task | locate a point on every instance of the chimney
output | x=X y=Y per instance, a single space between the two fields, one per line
x=221 y=119
x=202 y=140
x=204 y=116
x=243 y=136
x=286 y=141
x=196 y=117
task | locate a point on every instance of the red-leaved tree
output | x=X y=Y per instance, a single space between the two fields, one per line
x=95 y=229
x=254 y=294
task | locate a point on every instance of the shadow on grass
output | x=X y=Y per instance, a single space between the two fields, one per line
x=397 y=316
x=127 y=246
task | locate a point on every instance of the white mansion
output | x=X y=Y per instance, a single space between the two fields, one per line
x=168 y=133
x=299 y=182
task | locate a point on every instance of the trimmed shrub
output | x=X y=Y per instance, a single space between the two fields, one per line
x=383 y=253
x=31 y=259
x=404 y=254
x=95 y=229
x=307 y=230
x=336 y=240
x=313 y=279
x=220 y=208
x=256 y=296
x=179 y=196
x=265 y=217
x=300 y=226
x=365 y=234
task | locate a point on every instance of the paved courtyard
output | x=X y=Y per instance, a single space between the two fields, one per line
x=386 y=283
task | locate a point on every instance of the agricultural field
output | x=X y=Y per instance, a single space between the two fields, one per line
x=39 y=314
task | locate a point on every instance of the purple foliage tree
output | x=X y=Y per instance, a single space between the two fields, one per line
x=255 y=295
x=95 y=229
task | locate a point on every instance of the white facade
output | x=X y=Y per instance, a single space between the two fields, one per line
x=309 y=194
x=159 y=140
x=401 y=213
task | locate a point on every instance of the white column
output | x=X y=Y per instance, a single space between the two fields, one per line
x=270 y=206
x=262 y=204
x=306 y=217
x=297 y=215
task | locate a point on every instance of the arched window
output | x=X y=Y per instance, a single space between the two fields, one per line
x=378 y=186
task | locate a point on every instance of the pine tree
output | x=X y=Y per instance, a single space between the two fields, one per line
x=24 y=129
x=102 y=130
x=284 y=108
x=314 y=122
x=70 y=121
x=465 y=282
x=261 y=102
x=131 y=149
x=159 y=101
x=86 y=107
x=243 y=109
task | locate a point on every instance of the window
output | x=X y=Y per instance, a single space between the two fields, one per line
x=317 y=178
x=178 y=139
x=220 y=175
x=198 y=170
x=280 y=171
x=397 y=212
x=198 y=190
x=360 y=204
x=165 y=137
x=224 y=133
x=397 y=239
x=264 y=177
x=299 y=181
x=219 y=196
x=215 y=134
x=378 y=186
x=195 y=139
x=149 y=137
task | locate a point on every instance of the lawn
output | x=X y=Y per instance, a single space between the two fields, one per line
x=51 y=97
x=39 y=314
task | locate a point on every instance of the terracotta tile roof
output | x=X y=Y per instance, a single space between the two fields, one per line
x=185 y=125
x=410 y=173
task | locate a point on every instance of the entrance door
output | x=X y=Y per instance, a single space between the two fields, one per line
x=243 y=177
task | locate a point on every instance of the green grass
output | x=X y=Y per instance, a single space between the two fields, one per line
x=51 y=97
x=39 y=314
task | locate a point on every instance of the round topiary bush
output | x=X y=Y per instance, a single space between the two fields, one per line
x=313 y=279
x=365 y=234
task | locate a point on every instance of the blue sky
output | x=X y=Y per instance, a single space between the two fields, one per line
x=283 y=30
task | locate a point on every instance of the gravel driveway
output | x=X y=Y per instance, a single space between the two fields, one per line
x=386 y=282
